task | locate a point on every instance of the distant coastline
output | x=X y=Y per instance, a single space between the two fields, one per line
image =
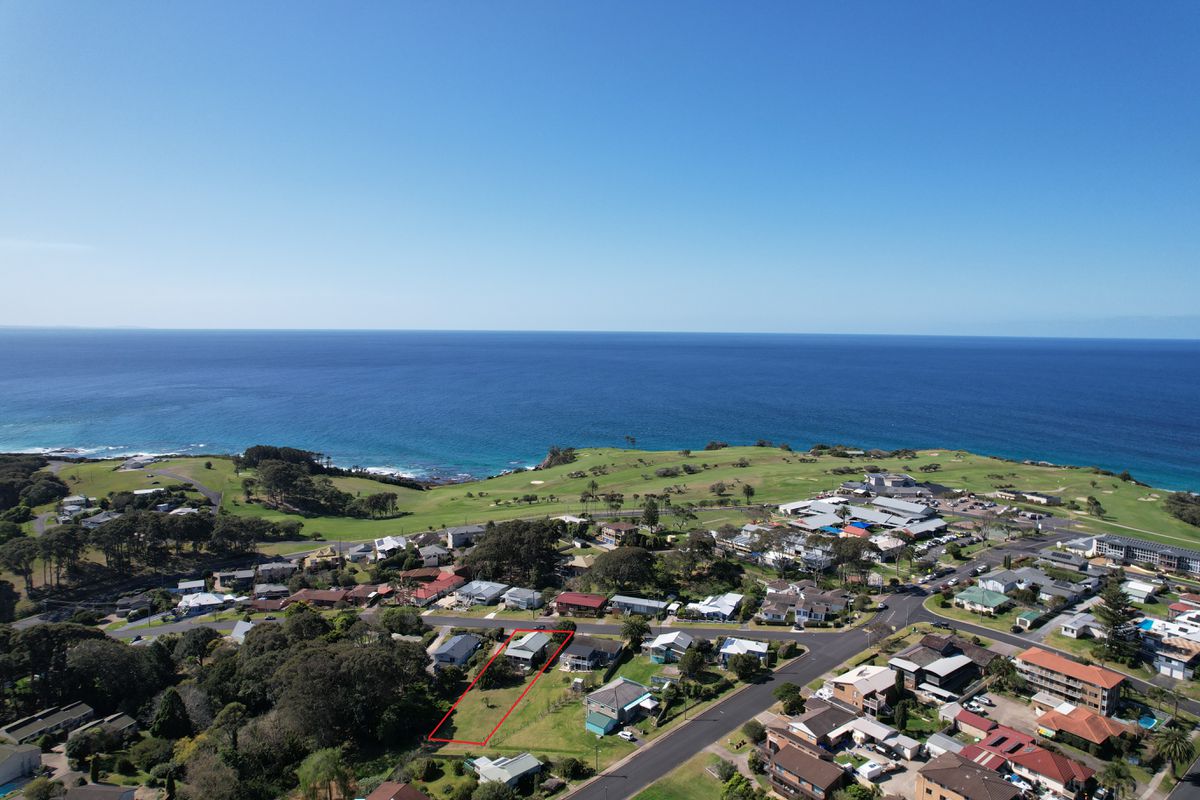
x=455 y=405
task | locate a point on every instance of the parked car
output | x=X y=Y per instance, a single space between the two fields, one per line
x=973 y=707
x=952 y=582
x=627 y=736
x=881 y=607
x=983 y=698
x=940 y=624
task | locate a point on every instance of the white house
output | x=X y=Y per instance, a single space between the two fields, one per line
x=734 y=646
x=718 y=607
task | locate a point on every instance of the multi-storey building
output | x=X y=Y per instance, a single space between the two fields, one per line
x=1082 y=684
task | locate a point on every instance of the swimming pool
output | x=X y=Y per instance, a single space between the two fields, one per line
x=1148 y=721
x=1146 y=624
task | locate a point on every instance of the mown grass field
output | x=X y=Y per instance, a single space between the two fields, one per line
x=689 y=781
x=775 y=475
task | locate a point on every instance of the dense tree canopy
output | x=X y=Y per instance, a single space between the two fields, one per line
x=519 y=553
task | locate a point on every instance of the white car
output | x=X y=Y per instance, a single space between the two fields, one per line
x=974 y=707
x=627 y=736
x=952 y=582
x=984 y=699
x=1024 y=786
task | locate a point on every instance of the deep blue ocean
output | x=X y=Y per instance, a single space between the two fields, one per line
x=456 y=403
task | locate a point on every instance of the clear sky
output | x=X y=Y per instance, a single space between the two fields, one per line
x=915 y=167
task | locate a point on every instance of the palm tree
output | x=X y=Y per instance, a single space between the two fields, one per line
x=1174 y=744
x=1156 y=695
x=1117 y=777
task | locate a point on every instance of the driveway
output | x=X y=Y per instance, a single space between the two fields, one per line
x=1012 y=713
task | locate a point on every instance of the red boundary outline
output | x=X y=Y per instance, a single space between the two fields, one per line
x=516 y=702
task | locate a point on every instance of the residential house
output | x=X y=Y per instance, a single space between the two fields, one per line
x=776 y=606
x=1172 y=646
x=1063 y=559
x=794 y=772
x=638 y=605
x=18 y=761
x=238 y=580
x=96 y=520
x=733 y=646
x=204 y=603
x=462 y=535
x=48 y=722
x=320 y=598
x=1064 y=777
x=866 y=687
x=191 y=586
x=327 y=557
x=819 y=723
x=578 y=604
x=952 y=777
x=1082 y=626
x=939 y=743
x=436 y=589
x=133 y=603
x=388 y=546
x=366 y=594
x=240 y=629
x=717 y=607
x=270 y=591
x=522 y=599
x=433 y=555
x=1140 y=591
x=669 y=647
x=982 y=601
x=616 y=703
x=1086 y=685
x=973 y=724
x=507 y=770
x=614 y=533
x=481 y=593
x=101 y=791
x=391 y=790
x=275 y=571
x=1081 y=727
x=457 y=650
x=587 y=653
x=119 y=725
x=940 y=653
x=529 y=649
x=577 y=565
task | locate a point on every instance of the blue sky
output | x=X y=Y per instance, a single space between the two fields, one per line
x=1005 y=168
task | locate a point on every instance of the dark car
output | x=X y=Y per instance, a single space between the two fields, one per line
x=940 y=624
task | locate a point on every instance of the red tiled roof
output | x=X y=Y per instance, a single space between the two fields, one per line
x=1084 y=723
x=390 y=790
x=581 y=599
x=977 y=755
x=320 y=595
x=1054 y=766
x=1088 y=673
x=965 y=717
x=1183 y=605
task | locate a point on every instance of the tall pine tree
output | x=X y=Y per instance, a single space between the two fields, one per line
x=1116 y=615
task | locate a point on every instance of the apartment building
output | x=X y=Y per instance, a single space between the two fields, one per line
x=1082 y=684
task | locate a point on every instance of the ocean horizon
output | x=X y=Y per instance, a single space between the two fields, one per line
x=455 y=404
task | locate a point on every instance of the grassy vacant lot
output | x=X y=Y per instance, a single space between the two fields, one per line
x=1000 y=622
x=690 y=781
x=775 y=475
